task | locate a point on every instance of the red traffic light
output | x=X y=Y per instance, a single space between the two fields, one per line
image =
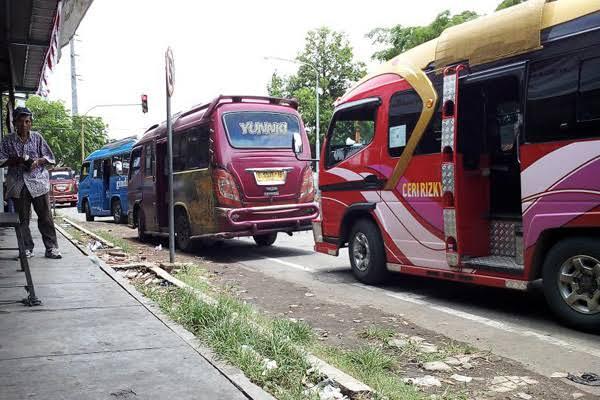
x=144 y=103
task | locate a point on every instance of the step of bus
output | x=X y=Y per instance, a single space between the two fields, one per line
x=506 y=239
x=496 y=263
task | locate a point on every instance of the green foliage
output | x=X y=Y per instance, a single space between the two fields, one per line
x=398 y=38
x=331 y=53
x=509 y=3
x=63 y=132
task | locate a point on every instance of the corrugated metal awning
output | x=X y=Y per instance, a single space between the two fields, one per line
x=31 y=35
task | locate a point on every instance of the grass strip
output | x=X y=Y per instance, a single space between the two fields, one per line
x=228 y=327
x=117 y=241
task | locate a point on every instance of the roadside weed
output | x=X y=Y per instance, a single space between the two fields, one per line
x=117 y=241
x=374 y=332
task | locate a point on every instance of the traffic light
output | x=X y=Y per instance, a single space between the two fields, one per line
x=144 y=103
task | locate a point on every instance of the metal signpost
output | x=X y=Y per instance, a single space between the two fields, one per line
x=170 y=83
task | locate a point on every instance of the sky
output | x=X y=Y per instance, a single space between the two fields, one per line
x=219 y=47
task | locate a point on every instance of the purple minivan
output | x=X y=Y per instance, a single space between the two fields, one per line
x=235 y=173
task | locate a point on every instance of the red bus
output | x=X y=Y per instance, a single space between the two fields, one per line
x=476 y=158
x=234 y=173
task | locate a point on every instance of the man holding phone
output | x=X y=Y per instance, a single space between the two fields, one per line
x=26 y=154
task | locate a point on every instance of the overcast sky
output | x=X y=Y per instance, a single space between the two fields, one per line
x=219 y=48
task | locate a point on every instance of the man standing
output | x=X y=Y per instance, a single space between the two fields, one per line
x=26 y=154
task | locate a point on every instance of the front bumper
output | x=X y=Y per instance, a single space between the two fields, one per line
x=63 y=198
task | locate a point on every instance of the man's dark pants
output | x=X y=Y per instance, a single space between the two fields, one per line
x=41 y=205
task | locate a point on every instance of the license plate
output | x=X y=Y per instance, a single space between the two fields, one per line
x=270 y=177
x=60 y=188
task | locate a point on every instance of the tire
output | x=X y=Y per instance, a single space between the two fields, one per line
x=265 y=240
x=141 y=226
x=88 y=213
x=577 y=260
x=366 y=252
x=183 y=232
x=117 y=212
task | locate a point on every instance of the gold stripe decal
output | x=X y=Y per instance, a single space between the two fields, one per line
x=421 y=83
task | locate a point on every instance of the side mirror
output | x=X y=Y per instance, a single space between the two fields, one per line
x=297 y=145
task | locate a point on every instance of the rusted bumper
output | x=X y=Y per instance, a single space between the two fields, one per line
x=250 y=221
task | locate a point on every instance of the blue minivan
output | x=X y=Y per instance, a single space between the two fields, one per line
x=103 y=181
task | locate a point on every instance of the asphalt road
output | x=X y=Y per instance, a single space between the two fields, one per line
x=512 y=324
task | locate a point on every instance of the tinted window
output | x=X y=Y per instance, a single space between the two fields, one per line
x=97 y=169
x=148 y=160
x=190 y=149
x=563 y=99
x=351 y=131
x=551 y=99
x=136 y=161
x=260 y=129
x=120 y=164
x=405 y=109
x=588 y=107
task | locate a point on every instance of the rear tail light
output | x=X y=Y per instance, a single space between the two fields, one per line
x=307 y=190
x=226 y=189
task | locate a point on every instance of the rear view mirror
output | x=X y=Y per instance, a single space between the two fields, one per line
x=297 y=146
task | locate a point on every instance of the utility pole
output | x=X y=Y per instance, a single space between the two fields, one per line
x=74 y=105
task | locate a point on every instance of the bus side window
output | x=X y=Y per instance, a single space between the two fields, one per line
x=405 y=109
x=551 y=98
x=136 y=162
x=588 y=103
x=197 y=148
x=148 y=160
x=85 y=170
x=98 y=168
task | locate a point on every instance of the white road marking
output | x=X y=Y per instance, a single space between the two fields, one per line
x=544 y=337
x=289 y=264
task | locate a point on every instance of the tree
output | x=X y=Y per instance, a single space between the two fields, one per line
x=63 y=132
x=398 y=39
x=509 y=3
x=330 y=52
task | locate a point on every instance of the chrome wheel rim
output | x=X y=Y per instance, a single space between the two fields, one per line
x=361 y=252
x=579 y=284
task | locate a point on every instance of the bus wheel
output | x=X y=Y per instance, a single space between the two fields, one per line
x=141 y=226
x=367 y=255
x=117 y=212
x=183 y=232
x=266 y=239
x=571 y=277
x=88 y=211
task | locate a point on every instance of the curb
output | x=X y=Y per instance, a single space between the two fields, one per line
x=346 y=382
x=231 y=373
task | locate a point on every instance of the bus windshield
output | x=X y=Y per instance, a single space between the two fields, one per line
x=249 y=129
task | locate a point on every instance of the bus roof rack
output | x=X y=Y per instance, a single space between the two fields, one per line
x=116 y=143
x=210 y=107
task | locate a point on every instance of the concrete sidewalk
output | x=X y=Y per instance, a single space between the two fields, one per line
x=91 y=339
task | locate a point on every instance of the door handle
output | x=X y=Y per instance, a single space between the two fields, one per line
x=373 y=182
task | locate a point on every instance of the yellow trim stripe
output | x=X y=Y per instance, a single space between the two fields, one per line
x=423 y=86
